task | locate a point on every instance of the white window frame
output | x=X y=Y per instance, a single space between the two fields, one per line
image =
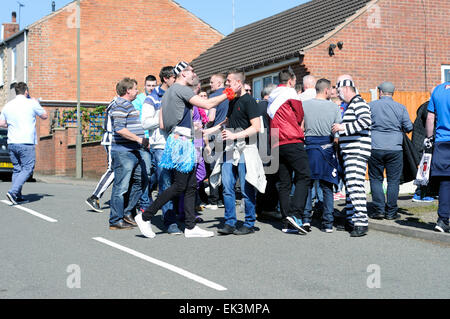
x=261 y=78
x=13 y=65
x=444 y=67
x=1 y=69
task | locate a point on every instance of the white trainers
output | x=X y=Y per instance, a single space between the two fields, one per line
x=144 y=227
x=212 y=207
x=197 y=232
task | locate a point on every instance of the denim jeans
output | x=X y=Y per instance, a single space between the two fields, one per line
x=163 y=178
x=393 y=162
x=230 y=173
x=293 y=159
x=128 y=170
x=145 y=199
x=328 y=204
x=23 y=158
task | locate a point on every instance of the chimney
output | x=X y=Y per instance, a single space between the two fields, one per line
x=10 y=28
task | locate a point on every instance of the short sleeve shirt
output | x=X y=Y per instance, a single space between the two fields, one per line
x=241 y=111
x=440 y=106
x=221 y=109
x=175 y=102
x=320 y=115
x=20 y=115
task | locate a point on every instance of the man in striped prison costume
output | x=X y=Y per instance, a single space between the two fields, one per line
x=355 y=144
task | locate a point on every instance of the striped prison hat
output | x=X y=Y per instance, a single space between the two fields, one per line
x=345 y=83
x=180 y=67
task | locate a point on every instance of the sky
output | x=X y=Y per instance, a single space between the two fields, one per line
x=217 y=13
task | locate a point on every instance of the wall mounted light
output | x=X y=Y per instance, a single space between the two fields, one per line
x=333 y=46
x=331 y=49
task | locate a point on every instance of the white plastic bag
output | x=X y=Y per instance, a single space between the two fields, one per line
x=423 y=173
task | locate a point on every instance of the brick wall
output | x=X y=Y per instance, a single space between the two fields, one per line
x=56 y=155
x=387 y=43
x=118 y=38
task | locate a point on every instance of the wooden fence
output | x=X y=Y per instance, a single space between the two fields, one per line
x=412 y=100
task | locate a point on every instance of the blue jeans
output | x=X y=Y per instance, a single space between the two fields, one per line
x=393 y=162
x=127 y=168
x=163 y=178
x=145 y=199
x=327 y=200
x=23 y=157
x=230 y=173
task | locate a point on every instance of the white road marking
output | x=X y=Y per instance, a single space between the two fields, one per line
x=163 y=264
x=30 y=211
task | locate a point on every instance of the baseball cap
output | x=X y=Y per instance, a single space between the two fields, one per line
x=387 y=87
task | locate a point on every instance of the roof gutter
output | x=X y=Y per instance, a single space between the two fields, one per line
x=5 y=42
x=273 y=66
x=340 y=27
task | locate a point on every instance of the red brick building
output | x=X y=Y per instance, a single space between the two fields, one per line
x=118 y=38
x=405 y=42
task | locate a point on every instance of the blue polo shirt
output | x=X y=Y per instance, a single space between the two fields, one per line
x=221 y=109
x=440 y=106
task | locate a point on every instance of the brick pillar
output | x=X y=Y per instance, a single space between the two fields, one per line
x=60 y=144
x=71 y=133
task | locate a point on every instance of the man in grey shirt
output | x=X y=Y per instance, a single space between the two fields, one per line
x=389 y=120
x=320 y=115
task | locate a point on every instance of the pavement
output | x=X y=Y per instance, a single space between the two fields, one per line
x=416 y=220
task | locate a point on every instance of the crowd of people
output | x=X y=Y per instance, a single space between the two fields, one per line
x=285 y=156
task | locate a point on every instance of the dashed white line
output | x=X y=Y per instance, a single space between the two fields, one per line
x=30 y=211
x=163 y=264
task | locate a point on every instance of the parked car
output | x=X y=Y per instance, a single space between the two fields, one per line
x=6 y=167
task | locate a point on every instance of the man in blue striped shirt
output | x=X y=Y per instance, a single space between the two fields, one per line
x=127 y=148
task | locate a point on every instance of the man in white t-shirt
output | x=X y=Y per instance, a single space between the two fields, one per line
x=19 y=116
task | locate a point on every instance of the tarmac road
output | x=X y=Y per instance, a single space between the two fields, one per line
x=54 y=247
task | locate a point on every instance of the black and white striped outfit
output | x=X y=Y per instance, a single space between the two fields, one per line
x=108 y=177
x=355 y=143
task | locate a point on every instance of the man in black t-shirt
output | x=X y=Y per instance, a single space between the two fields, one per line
x=243 y=121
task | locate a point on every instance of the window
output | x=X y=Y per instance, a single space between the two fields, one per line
x=13 y=65
x=445 y=73
x=260 y=82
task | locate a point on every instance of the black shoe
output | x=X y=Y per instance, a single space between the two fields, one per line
x=11 y=198
x=226 y=230
x=359 y=231
x=244 y=231
x=94 y=204
x=121 y=226
x=442 y=227
x=307 y=227
x=377 y=216
x=130 y=220
x=396 y=216
x=220 y=204
x=346 y=226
